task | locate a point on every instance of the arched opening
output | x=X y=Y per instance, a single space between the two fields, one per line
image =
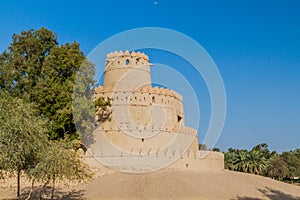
x=127 y=62
x=153 y=99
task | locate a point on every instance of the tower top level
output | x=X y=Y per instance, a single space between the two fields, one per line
x=127 y=70
x=116 y=54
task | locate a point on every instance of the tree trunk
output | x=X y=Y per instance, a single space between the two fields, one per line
x=31 y=189
x=53 y=187
x=18 y=190
x=43 y=188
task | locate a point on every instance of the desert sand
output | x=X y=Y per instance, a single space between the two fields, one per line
x=171 y=184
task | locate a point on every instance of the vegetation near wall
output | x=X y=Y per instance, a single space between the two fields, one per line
x=37 y=69
x=37 y=125
x=284 y=166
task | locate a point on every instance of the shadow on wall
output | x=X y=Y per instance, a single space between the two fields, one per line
x=270 y=194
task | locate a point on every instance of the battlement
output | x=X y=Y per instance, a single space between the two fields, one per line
x=116 y=54
x=148 y=89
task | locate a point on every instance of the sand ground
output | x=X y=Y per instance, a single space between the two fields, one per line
x=171 y=184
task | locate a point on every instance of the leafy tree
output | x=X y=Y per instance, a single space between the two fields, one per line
x=102 y=112
x=36 y=85
x=59 y=162
x=22 y=135
x=293 y=163
x=276 y=168
x=35 y=68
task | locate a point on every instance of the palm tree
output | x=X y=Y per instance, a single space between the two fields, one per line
x=255 y=163
x=228 y=160
x=240 y=161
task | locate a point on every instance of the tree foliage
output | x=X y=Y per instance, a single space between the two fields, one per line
x=277 y=168
x=35 y=68
x=58 y=162
x=38 y=81
x=21 y=136
x=261 y=161
x=24 y=146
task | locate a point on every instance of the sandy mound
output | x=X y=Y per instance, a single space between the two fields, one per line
x=189 y=185
x=169 y=184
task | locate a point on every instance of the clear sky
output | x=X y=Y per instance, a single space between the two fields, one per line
x=255 y=45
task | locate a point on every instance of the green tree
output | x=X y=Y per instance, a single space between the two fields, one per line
x=35 y=68
x=240 y=161
x=22 y=135
x=228 y=160
x=58 y=162
x=276 y=168
x=292 y=160
x=255 y=162
x=263 y=148
x=235 y=159
x=37 y=84
x=245 y=161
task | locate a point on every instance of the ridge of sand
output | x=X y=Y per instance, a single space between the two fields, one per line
x=172 y=184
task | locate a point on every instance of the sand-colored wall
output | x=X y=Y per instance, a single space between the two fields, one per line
x=135 y=140
x=213 y=161
x=145 y=106
x=202 y=161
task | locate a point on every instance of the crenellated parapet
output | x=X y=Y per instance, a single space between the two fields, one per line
x=126 y=54
x=105 y=91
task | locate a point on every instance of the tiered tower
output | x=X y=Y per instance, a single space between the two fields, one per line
x=143 y=117
x=143 y=120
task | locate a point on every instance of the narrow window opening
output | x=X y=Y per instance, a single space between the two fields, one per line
x=153 y=99
x=127 y=62
x=179 y=118
x=142 y=139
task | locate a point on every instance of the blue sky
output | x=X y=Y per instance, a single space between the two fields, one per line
x=255 y=45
